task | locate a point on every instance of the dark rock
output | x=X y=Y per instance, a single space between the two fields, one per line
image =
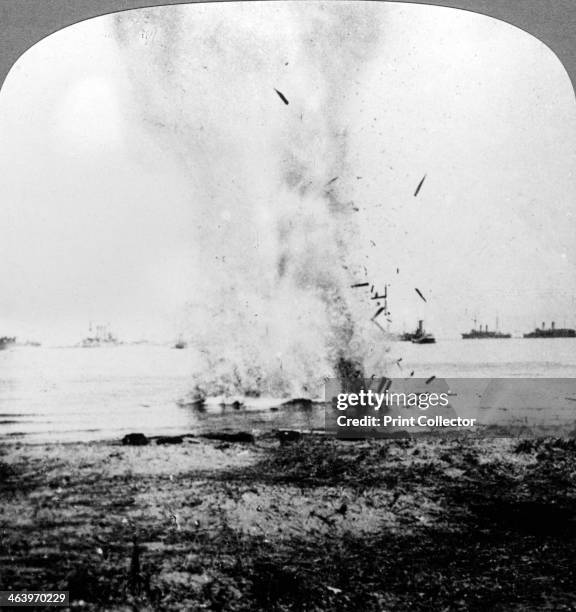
x=169 y=440
x=135 y=439
x=299 y=402
x=241 y=436
x=288 y=435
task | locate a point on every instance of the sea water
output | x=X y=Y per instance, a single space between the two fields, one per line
x=72 y=394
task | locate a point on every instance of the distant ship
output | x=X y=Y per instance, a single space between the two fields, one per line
x=6 y=341
x=180 y=343
x=99 y=335
x=478 y=334
x=419 y=336
x=551 y=332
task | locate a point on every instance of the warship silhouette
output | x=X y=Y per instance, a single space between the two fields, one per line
x=479 y=333
x=551 y=332
x=419 y=336
x=6 y=341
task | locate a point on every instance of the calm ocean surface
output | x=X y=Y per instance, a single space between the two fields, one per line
x=67 y=394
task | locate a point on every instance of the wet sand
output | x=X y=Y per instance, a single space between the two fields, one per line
x=312 y=524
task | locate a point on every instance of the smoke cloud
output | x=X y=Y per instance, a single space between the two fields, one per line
x=252 y=99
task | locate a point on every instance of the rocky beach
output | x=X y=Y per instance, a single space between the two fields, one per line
x=291 y=522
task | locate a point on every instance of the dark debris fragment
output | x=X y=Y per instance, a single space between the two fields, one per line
x=420 y=186
x=420 y=294
x=282 y=97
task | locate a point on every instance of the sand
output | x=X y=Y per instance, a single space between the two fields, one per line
x=313 y=524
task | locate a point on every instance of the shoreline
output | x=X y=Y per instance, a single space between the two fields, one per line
x=281 y=524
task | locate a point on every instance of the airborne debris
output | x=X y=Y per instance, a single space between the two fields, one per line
x=359 y=285
x=420 y=294
x=381 y=297
x=430 y=379
x=420 y=186
x=333 y=180
x=282 y=97
x=378 y=312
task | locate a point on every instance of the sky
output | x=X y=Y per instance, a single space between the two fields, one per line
x=138 y=154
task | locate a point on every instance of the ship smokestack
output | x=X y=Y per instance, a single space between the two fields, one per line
x=420 y=326
x=553 y=324
x=543 y=325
